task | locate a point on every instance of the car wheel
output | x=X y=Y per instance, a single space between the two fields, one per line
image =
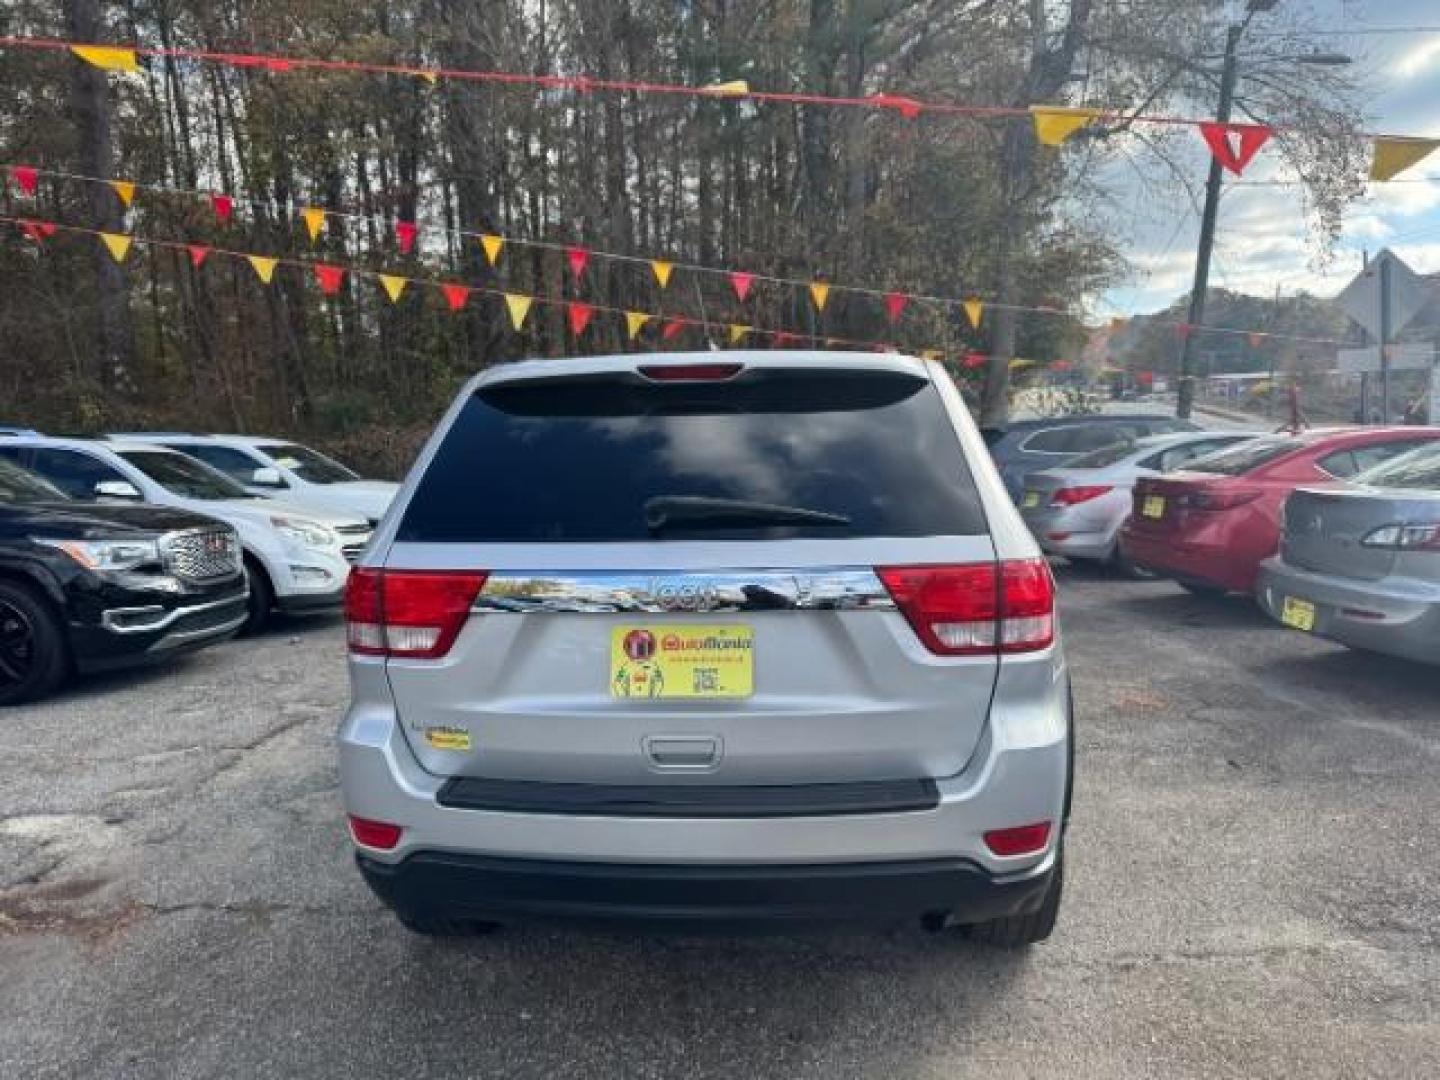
x=1019 y=931
x=33 y=655
x=434 y=926
x=1209 y=592
x=261 y=599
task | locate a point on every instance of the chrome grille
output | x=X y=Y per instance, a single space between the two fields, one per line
x=353 y=539
x=201 y=554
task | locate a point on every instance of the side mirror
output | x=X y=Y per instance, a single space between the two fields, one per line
x=267 y=476
x=117 y=489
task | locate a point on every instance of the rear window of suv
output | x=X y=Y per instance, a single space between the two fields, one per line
x=584 y=459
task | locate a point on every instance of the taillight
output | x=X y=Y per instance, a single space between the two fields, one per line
x=380 y=835
x=690 y=372
x=1019 y=840
x=1071 y=496
x=416 y=614
x=976 y=608
x=1217 y=499
x=1404 y=537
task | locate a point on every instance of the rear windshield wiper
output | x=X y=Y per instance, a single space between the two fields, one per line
x=663 y=511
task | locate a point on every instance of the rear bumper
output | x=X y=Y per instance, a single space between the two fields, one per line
x=1202 y=564
x=457 y=885
x=1018 y=774
x=1383 y=616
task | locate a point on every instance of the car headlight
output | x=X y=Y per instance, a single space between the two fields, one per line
x=309 y=534
x=108 y=554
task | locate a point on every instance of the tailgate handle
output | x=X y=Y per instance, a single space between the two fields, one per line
x=694 y=752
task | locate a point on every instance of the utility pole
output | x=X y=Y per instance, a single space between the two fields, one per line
x=1385 y=333
x=1186 y=396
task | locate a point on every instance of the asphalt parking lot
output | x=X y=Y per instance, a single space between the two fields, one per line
x=1253 y=890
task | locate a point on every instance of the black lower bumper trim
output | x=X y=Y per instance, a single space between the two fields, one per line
x=690 y=800
x=455 y=885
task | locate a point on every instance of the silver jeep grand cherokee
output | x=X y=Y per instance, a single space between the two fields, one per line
x=724 y=636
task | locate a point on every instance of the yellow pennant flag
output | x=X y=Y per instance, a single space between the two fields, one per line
x=1393 y=155
x=492 y=246
x=314 y=221
x=519 y=307
x=1056 y=123
x=930 y=354
x=118 y=243
x=974 y=310
x=393 y=286
x=733 y=88
x=107 y=57
x=635 y=322
x=125 y=189
x=1020 y=365
x=820 y=293
x=737 y=333
x=662 y=271
x=264 y=266
x=428 y=76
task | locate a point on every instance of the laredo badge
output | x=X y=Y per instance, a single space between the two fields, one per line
x=448 y=738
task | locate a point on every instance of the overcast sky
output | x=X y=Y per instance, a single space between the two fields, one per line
x=1261 y=239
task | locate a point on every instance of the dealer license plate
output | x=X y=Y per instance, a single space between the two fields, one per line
x=1297 y=613
x=667 y=661
x=1031 y=500
x=1153 y=506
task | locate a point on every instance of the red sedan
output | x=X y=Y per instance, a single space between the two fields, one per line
x=1210 y=526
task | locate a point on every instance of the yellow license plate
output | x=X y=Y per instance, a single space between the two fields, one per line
x=664 y=661
x=1153 y=506
x=1297 y=613
x=1032 y=498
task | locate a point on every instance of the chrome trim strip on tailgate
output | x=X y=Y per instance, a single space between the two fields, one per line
x=666 y=591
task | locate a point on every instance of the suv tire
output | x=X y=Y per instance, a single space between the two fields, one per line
x=1018 y=931
x=24 y=613
x=434 y=926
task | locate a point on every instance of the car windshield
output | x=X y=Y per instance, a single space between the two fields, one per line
x=1106 y=455
x=184 y=476
x=310 y=465
x=1245 y=457
x=1419 y=468
x=18 y=487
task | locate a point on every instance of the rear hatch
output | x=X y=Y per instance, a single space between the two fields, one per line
x=1326 y=529
x=680 y=580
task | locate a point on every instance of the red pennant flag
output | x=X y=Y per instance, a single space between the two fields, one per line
x=784 y=339
x=26 y=177
x=579 y=316
x=671 y=330
x=197 y=254
x=578 y=258
x=973 y=360
x=741 y=283
x=1182 y=330
x=1144 y=378
x=1061 y=365
x=405 y=236
x=329 y=277
x=894 y=304
x=1251 y=137
x=1255 y=339
x=224 y=206
x=455 y=295
x=37 y=230
x=906 y=107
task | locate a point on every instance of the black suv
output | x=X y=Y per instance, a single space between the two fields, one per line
x=90 y=586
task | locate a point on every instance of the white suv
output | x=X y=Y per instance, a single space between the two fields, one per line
x=297 y=558
x=739 y=636
x=269 y=466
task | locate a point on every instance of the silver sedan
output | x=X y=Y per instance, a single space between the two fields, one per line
x=1360 y=564
x=1076 y=509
